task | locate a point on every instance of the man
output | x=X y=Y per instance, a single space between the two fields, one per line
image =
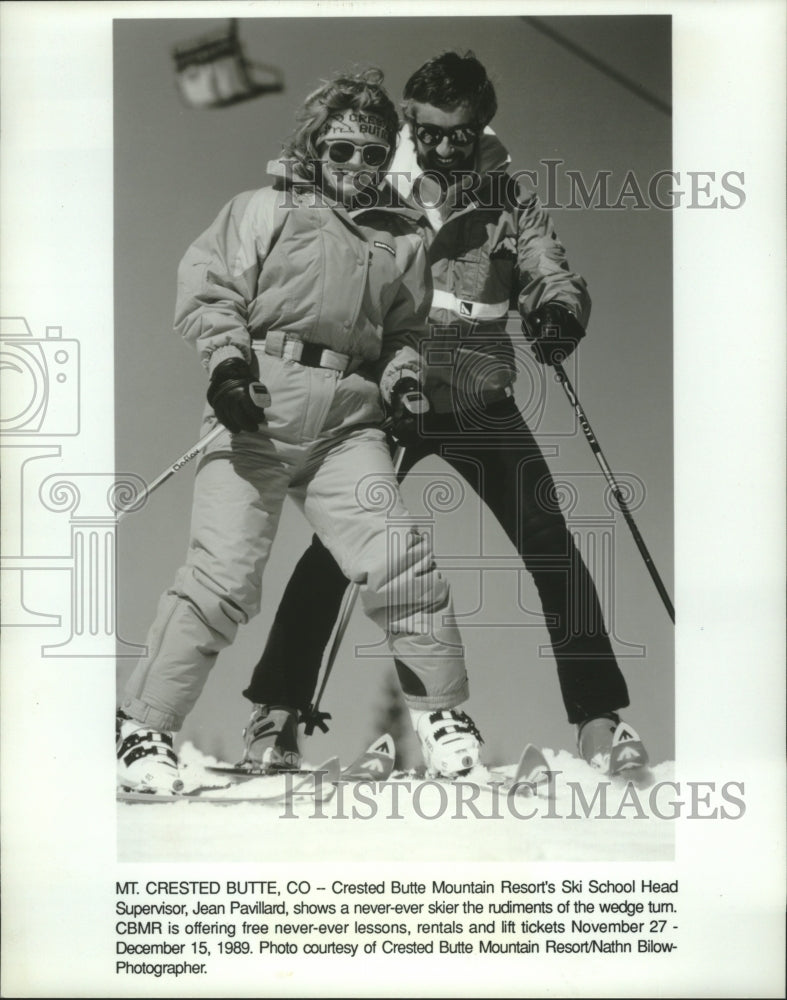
x=317 y=286
x=489 y=248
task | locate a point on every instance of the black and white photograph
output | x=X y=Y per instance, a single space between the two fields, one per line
x=472 y=647
x=506 y=601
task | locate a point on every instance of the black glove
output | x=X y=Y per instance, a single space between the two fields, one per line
x=408 y=404
x=553 y=333
x=237 y=397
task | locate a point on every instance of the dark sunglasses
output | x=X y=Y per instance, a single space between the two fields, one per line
x=373 y=154
x=432 y=135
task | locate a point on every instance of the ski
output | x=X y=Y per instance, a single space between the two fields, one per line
x=613 y=749
x=242 y=771
x=374 y=764
x=628 y=753
x=531 y=776
x=532 y=771
x=318 y=785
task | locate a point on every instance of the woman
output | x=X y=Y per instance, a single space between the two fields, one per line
x=306 y=301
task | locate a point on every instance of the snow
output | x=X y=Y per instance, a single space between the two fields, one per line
x=413 y=818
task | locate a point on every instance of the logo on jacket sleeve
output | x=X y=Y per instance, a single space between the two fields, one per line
x=385 y=246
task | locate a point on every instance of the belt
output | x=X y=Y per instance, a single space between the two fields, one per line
x=469 y=310
x=282 y=345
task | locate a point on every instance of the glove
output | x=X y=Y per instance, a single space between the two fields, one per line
x=237 y=397
x=408 y=404
x=553 y=333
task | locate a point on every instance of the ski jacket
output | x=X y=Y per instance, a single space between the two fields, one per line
x=492 y=249
x=286 y=258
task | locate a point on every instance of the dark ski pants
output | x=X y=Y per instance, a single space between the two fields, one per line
x=499 y=458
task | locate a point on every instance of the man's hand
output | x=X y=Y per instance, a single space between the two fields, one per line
x=237 y=397
x=408 y=404
x=553 y=333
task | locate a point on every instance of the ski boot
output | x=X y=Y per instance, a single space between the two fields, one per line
x=450 y=742
x=146 y=761
x=271 y=740
x=609 y=745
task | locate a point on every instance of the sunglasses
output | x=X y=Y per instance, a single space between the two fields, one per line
x=373 y=154
x=433 y=135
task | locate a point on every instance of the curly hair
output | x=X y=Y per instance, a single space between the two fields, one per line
x=451 y=80
x=360 y=91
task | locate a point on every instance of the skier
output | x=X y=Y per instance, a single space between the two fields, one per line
x=306 y=301
x=490 y=245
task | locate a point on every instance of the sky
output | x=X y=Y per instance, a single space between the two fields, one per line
x=175 y=167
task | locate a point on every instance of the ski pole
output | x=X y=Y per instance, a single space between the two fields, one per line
x=314 y=718
x=176 y=466
x=561 y=376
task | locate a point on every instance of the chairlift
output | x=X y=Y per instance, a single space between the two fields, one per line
x=213 y=72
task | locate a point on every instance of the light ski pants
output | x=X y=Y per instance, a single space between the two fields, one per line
x=322 y=445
